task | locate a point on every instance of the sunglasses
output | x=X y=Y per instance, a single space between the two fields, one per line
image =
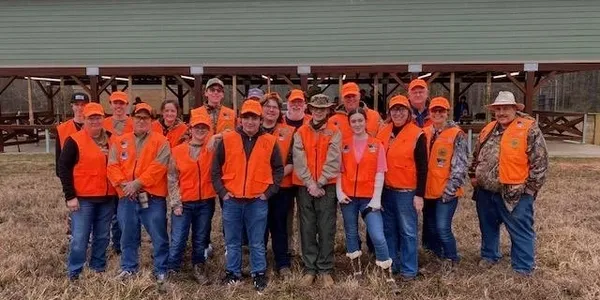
x=142 y=118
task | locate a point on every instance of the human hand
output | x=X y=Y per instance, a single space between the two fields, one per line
x=73 y=205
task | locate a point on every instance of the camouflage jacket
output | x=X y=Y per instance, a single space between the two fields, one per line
x=484 y=166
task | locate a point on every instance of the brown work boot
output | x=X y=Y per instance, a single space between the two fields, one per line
x=327 y=280
x=307 y=280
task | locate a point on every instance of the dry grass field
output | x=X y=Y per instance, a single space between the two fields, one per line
x=33 y=250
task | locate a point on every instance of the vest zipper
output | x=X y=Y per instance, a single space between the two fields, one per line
x=356 y=177
x=317 y=156
x=246 y=172
x=199 y=177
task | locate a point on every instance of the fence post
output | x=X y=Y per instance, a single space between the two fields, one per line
x=470 y=140
x=47 y=138
x=583 y=135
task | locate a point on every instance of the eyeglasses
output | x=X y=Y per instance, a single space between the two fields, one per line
x=438 y=110
x=200 y=128
x=398 y=109
x=271 y=107
x=142 y=118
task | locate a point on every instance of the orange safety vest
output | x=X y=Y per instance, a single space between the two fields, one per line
x=284 y=134
x=513 y=161
x=109 y=126
x=316 y=146
x=225 y=120
x=340 y=120
x=89 y=173
x=358 y=178
x=174 y=135
x=247 y=178
x=194 y=174
x=402 y=170
x=129 y=166
x=440 y=158
x=65 y=130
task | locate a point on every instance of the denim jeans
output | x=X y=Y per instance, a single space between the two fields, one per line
x=439 y=229
x=279 y=206
x=115 y=229
x=374 y=223
x=154 y=218
x=251 y=213
x=196 y=215
x=400 y=228
x=492 y=212
x=91 y=217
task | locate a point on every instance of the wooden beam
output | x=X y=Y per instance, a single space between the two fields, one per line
x=5 y=86
x=389 y=93
x=353 y=69
x=376 y=92
x=529 y=91
x=82 y=85
x=268 y=83
x=183 y=82
x=399 y=81
x=107 y=83
x=234 y=93
x=172 y=91
x=197 y=90
x=130 y=93
x=445 y=86
x=94 y=97
x=340 y=84
x=452 y=90
x=488 y=95
x=42 y=72
x=543 y=81
x=446 y=68
x=462 y=91
x=163 y=80
x=433 y=77
x=288 y=81
x=145 y=71
x=304 y=82
x=30 y=101
x=516 y=82
x=39 y=83
x=63 y=98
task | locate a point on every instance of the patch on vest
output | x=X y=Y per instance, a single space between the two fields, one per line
x=520 y=124
x=514 y=143
x=226 y=116
x=124 y=145
x=441 y=162
x=124 y=155
x=372 y=148
x=442 y=152
x=345 y=149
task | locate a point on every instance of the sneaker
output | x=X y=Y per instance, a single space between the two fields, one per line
x=208 y=251
x=231 y=279
x=124 y=275
x=285 y=273
x=200 y=274
x=260 y=282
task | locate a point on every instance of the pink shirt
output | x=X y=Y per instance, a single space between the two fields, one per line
x=359 y=147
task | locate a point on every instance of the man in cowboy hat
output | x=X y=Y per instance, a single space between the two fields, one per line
x=317 y=159
x=509 y=167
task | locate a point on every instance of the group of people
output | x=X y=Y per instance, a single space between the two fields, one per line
x=260 y=164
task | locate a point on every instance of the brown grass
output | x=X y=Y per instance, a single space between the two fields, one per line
x=33 y=250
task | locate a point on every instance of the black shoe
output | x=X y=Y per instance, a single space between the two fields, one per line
x=230 y=279
x=260 y=281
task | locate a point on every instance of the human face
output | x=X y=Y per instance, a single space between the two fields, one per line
x=118 y=107
x=199 y=132
x=417 y=96
x=357 y=122
x=439 y=115
x=271 y=110
x=505 y=114
x=318 y=114
x=296 y=106
x=250 y=123
x=169 y=113
x=93 y=124
x=351 y=102
x=142 y=121
x=399 y=115
x=78 y=109
x=214 y=94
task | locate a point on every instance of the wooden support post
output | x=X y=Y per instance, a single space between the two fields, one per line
x=340 y=83
x=529 y=91
x=180 y=96
x=94 y=89
x=376 y=92
x=304 y=83
x=130 y=93
x=268 y=83
x=50 y=95
x=488 y=96
x=63 y=99
x=384 y=92
x=197 y=91
x=30 y=101
x=597 y=129
x=234 y=93
x=452 y=92
x=164 y=87
x=7 y=84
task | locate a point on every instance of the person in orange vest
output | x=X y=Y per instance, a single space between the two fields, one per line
x=169 y=124
x=446 y=173
x=317 y=158
x=137 y=168
x=65 y=129
x=192 y=196
x=89 y=196
x=358 y=190
x=351 y=101
x=247 y=170
x=510 y=164
x=280 y=203
x=418 y=93
x=119 y=123
x=404 y=187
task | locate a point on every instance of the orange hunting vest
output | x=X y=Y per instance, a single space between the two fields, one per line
x=247 y=178
x=513 y=161
x=316 y=146
x=440 y=158
x=402 y=170
x=225 y=120
x=109 y=126
x=340 y=120
x=358 y=178
x=194 y=174
x=65 y=130
x=284 y=133
x=89 y=173
x=174 y=135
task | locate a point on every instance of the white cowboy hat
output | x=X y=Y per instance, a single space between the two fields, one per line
x=506 y=98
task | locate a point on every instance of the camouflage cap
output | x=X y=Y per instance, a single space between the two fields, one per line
x=320 y=101
x=214 y=81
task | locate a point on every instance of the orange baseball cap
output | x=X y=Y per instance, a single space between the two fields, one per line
x=143 y=106
x=350 y=88
x=296 y=94
x=251 y=106
x=417 y=83
x=399 y=100
x=119 y=96
x=200 y=117
x=439 y=102
x=93 y=108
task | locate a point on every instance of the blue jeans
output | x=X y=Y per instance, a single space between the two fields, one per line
x=279 y=206
x=374 y=223
x=439 y=229
x=252 y=214
x=400 y=228
x=92 y=217
x=115 y=229
x=197 y=215
x=492 y=212
x=154 y=218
